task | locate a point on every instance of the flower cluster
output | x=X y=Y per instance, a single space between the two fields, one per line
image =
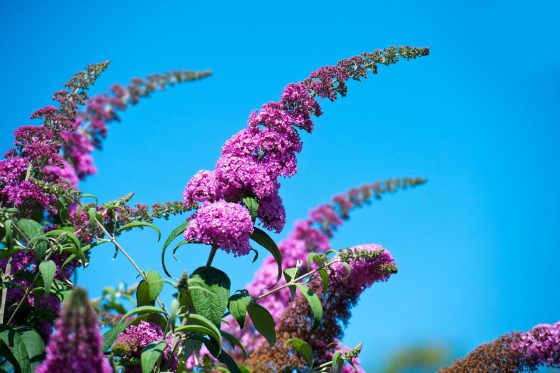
x=514 y=352
x=252 y=160
x=130 y=343
x=310 y=235
x=224 y=224
x=369 y=264
x=76 y=344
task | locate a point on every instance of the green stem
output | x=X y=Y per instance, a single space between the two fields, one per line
x=296 y=280
x=5 y=277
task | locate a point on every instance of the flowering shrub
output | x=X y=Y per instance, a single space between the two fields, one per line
x=290 y=317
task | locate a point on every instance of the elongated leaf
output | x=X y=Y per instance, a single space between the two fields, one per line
x=235 y=342
x=174 y=234
x=324 y=279
x=47 y=269
x=221 y=355
x=148 y=291
x=142 y=311
x=139 y=224
x=8 y=234
x=112 y=334
x=303 y=348
x=30 y=228
x=237 y=306
x=150 y=355
x=194 y=319
x=209 y=291
x=199 y=329
x=337 y=362
x=263 y=321
x=263 y=239
x=314 y=303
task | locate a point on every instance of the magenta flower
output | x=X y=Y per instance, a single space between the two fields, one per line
x=224 y=224
x=130 y=343
x=202 y=187
x=76 y=345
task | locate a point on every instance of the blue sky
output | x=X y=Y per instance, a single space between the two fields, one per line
x=477 y=247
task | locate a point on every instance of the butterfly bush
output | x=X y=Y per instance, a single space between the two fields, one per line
x=290 y=317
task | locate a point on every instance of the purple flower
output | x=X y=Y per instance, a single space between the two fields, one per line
x=540 y=346
x=130 y=343
x=76 y=345
x=202 y=187
x=272 y=213
x=224 y=224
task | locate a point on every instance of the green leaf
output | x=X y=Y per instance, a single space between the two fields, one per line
x=25 y=348
x=252 y=205
x=34 y=345
x=209 y=291
x=148 y=291
x=314 y=303
x=92 y=196
x=174 y=234
x=199 y=329
x=112 y=334
x=8 y=234
x=222 y=356
x=142 y=311
x=150 y=355
x=324 y=279
x=194 y=319
x=237 y=306
x=139 y=224
x=303 y=348
x=30 y=228
x=263 y=239
x=47 y=269
x=337 y=362
x=263 y=321
x=235 y=342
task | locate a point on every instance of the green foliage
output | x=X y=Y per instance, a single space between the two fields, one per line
x=303 y=348
x=209 y=292
x=174 y=234
x=139 y=224
x=150 y=355
x=22 y=346
x=263 y=322
x=149 y=288
x=263 y=239
x=314 y=303
x=112 y=334
x=47 y=270
x=252 y=205
x=237 y=306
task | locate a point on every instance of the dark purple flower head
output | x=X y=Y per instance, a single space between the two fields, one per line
x=77 y=344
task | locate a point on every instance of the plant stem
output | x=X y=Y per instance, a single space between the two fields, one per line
x=5 y=277
x=211 y=256
x=296 y=280
x=118 y=246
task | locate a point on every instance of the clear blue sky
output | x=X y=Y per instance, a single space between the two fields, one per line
x=477 y=247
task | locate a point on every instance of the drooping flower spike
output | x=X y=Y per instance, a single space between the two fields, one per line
x=252 y=160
